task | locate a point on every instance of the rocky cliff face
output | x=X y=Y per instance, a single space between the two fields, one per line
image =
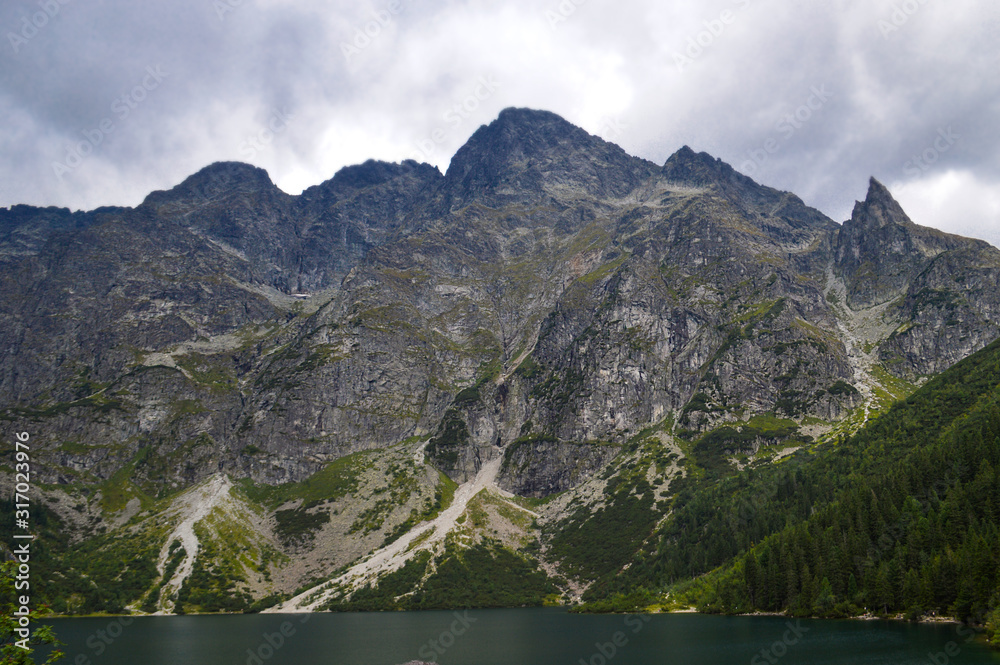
x=549 y=290
x=880 y=251
x=932 y=286
x=526 y=156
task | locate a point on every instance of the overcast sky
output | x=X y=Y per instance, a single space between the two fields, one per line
x=103 y=101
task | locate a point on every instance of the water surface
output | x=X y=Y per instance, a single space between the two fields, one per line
x=539 y=636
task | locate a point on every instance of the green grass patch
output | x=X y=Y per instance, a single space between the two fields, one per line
x=528 y=369
x=119 y=489
x=75 y=448
x=603 y=271
x=99 y=404
x=334 y=481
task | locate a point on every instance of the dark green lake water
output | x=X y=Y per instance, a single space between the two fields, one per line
x=510 y=637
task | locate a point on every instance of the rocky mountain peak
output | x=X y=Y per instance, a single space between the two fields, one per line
x=699 y=169
x=526 y=153
x=879 y=249
x=217 y=180
x=372 y=173
x=781 y=215
x=879 y=209
x=368 y=174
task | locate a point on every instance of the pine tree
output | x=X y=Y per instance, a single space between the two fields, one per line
x=825 y=599
x=883 y=596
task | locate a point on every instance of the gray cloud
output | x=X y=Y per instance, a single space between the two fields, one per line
x=808 y=96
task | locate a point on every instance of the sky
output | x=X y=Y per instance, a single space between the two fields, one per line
x=103 y=101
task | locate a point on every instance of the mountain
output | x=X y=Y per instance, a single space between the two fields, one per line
x=900 y=518
x=526 y=155
x=421 y=378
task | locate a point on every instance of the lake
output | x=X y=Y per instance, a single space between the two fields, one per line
x=541 y=636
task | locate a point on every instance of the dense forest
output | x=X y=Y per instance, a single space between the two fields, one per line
x=901 y=518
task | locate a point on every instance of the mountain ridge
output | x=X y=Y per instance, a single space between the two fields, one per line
x=550 y=306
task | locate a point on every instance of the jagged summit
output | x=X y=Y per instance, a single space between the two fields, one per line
x=371 y=173
x=215 y=180
x=783 y=213
x=880 y=250
x=513 y=116
x=699 y=169
x=879 y=208
x=880 y=214
x=525 y=152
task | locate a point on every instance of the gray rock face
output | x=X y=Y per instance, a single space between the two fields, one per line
x=539 y=467
x=880 y=251
x=941 y=287
x=548 y=286
x=524 y=155
x=305 y=243
x=950 y=310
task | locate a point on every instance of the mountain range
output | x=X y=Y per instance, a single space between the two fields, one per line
x=508 y=379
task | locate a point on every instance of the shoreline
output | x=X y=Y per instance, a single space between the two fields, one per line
x=861 y=617
x=898 y=617
x=689 y=610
